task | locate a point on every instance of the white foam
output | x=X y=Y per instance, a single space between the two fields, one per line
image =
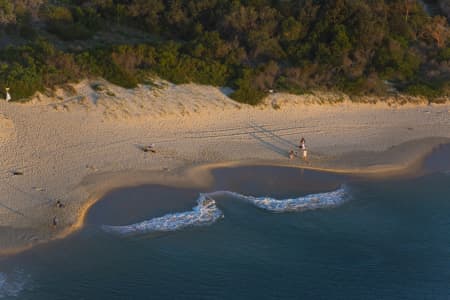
x=308 y=202
x=12 y=284
x=206 y=212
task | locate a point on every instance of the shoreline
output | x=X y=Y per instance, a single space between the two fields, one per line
x=77 y=151
x=414 y=169
x=207 y=170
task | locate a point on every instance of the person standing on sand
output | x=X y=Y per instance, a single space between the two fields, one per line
x=305 y=154
x=8 y=96
x=302 y=144
x=291 y=154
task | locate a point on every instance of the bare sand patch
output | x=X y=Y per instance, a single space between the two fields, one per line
x=7 y=129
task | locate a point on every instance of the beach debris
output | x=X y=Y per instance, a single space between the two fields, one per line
x=17 y=173
x=59 y=204
x=149 y=148
x=39 y=189
x=92 y=168
x=55 y=221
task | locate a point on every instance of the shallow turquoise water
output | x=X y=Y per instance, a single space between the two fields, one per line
x=391 y=240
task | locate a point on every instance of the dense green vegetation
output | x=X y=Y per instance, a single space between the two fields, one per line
x=359 y=47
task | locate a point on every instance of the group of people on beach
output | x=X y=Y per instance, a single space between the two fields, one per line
x=302 y=147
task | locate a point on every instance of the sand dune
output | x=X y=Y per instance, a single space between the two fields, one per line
x=77 y=143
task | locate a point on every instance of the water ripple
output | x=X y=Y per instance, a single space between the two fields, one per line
x=12 y=284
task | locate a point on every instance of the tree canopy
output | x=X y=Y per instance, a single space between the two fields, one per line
x=355 y=46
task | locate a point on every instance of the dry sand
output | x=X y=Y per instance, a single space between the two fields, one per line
x=76 y=148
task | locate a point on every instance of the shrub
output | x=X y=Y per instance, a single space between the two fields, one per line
x=114 y=74
x=23 y=82
x=423 y=89
x=283 y=84
x=245 y=91
x=444 y=54
x=61 y=21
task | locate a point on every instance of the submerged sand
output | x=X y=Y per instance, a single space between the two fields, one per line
x=74 y=148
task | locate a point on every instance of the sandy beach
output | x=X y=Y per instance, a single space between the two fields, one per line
x=76 y=147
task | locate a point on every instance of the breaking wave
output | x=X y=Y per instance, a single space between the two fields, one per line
x=206 y=211
x=12 y=284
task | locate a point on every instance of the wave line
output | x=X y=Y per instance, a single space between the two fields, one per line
x=206 y=211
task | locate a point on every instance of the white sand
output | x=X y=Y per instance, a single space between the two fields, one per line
x=76 y=148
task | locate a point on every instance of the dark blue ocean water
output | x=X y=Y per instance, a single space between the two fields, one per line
x=391 y=240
